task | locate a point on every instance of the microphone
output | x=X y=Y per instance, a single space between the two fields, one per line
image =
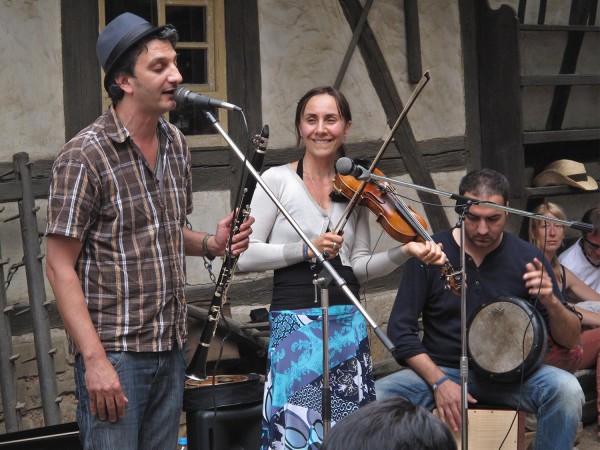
x=345 y=166
x=184 y=96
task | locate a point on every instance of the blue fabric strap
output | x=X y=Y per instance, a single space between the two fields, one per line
x=439 y=382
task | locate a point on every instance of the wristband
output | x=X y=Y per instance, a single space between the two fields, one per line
x=439 y=382
x=305 y=251
x=207 y=254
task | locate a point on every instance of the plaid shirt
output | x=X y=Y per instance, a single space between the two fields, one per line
x=129 y=219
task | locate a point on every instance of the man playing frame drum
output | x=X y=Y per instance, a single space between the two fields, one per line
x=498 y=264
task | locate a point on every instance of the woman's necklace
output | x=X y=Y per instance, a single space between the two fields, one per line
x=318 y=197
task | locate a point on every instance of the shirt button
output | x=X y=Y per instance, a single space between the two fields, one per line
x=477 y=283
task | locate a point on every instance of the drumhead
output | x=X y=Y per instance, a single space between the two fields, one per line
x=506 y=338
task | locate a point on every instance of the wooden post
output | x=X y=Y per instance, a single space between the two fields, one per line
x=37 y=293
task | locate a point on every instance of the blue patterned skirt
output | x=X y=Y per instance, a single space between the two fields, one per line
x=293 y=388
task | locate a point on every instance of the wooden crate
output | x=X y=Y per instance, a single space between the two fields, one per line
x=488 y=428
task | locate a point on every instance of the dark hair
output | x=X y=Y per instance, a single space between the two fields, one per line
x=592 y=216
x=340 y=100
x=485 y=183
x=125 y=65
x=391 y=424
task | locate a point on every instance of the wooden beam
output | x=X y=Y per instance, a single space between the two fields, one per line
x=211 y=171
x=413 y=40
x=551 y=191
x=499 y=93
x=579 y=15
x=404 y=139
x=468 y=38
x=540 y=137
x=352 y=45
x=81 y=69
x=560 y=80
x=528 y=27
x=242 y=39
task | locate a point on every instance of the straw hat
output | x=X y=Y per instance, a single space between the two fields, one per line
x=565 y=171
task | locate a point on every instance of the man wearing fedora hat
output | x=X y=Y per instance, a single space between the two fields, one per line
x=583 y=257
x=119 y=196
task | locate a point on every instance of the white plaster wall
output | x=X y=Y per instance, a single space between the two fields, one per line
x=306 y=42
x=31 y=117
x=209 y=209
x=439 y=109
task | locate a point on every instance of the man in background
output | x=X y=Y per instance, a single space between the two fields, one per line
x=583 y=257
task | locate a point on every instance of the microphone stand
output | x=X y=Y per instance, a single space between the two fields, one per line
x=466 y=203
x=323 y=283
x=464 y=360
x=321 y=260
x=580 y=226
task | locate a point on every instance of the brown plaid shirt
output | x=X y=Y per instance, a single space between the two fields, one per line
x=132 y=265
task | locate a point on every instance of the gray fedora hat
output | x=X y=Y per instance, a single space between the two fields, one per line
x=119 y=36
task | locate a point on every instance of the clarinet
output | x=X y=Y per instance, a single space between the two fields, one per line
x=196 y=370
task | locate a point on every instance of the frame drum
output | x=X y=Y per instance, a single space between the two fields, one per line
x=506 y=339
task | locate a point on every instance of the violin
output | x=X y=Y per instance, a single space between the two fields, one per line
x=397 y=219
x=381 y=201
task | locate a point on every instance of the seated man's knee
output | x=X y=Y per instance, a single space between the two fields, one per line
x=568 y=390
x=405 y=383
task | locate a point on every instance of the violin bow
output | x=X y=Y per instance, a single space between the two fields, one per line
x=354 y=200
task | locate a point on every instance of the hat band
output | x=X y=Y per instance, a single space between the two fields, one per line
x=578 y=177
x=126 y=41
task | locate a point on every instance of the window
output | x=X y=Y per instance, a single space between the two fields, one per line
x=200 y=55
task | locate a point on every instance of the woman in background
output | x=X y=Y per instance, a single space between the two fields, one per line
x=549 y=236
x=293 y=389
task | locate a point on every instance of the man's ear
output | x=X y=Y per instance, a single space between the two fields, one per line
x=124 y=82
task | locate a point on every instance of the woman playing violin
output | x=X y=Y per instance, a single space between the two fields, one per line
x=292 y=399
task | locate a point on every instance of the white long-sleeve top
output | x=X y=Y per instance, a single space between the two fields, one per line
x=275 y=244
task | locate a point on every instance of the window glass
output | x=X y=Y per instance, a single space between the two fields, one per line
x=143 y=8
x=192 y=65
x=190 y=22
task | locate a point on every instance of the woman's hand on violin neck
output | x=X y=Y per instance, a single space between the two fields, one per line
x=330 y=243
x=428 y=252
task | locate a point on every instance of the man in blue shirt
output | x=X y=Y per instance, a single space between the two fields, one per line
x=498 y=264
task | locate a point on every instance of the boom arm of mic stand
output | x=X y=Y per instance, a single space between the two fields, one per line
x=322 y=261
x=581 y=226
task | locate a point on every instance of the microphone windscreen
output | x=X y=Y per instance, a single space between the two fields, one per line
x=344 y=166
x=181 y=95
x=458 y=208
